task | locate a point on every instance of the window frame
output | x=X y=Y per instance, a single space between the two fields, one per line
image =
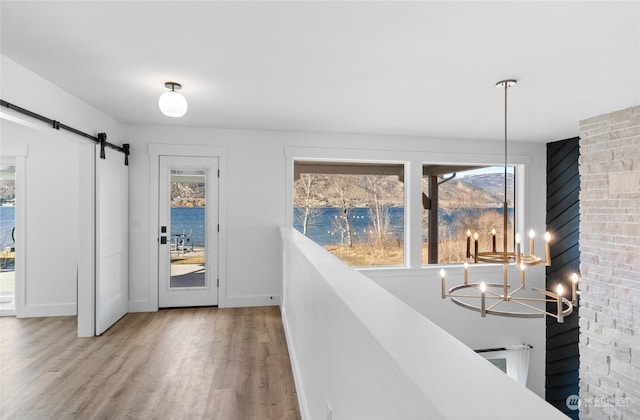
x=374 y=163
x=413 y=162
x=455 y=170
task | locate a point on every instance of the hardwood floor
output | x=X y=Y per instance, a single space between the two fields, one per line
x=174 y=364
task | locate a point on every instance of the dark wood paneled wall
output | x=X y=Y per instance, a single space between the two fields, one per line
x=563 y=221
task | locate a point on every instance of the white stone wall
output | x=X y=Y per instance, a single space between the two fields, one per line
x=610 y=266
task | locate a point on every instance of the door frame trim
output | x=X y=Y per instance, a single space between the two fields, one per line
x=207 y=294
x=179 y=150
x=17 y=154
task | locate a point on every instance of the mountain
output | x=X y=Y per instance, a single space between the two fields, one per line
x=492 y=183
x=484 y=191
x=463 y=194
x=187 y=194
x=7 y=190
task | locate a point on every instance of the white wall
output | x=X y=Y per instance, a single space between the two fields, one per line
x=256 y=187
x=252 y=185
x=360 y=353
x=59 y=186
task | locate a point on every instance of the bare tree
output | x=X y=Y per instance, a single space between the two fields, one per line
x=379 y=212
x=465 y=207
x=305 y=200
x=345 y=190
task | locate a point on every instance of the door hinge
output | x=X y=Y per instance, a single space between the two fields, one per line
x=218 y=283
x=218 y=173
x=218 y=227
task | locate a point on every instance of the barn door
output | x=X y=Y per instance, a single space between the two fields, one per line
x=112 y=240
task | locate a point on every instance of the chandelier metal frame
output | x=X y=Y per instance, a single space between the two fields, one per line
x=563 y=305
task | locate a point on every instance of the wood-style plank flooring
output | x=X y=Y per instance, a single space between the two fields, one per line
x=196 y=363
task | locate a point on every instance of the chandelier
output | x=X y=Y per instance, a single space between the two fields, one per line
x=500 y=298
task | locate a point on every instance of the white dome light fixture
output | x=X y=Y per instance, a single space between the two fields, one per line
x=172 y=103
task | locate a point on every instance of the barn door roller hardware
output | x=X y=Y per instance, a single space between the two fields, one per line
x=57 y=125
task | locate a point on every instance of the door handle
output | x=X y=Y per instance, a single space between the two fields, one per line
x=163 y=239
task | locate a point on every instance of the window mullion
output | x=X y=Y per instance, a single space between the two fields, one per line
x=413 y=214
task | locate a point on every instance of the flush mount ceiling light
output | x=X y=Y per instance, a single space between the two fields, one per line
x=172 y=103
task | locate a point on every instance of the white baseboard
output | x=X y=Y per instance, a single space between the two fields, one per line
x=58 y=309
x=245 y=301
x=228 y=302
x=297 y=379
x=142 y=306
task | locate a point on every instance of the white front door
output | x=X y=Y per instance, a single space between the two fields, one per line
x=188 y=231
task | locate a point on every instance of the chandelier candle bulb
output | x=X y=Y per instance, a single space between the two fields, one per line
x=574 y=288
x=483 y=300
x=532 y=235
x=475 y=247
x=493 y=239
x=559 y=291
x=505 y=281
x=522 y=266
x=444 y=285
x=547 y=249
x=466 y=273
x=468 y=244
x=518 y=253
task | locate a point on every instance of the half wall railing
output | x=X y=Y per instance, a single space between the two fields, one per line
x=358 y=352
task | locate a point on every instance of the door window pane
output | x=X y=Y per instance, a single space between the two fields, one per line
x=188 y=206
x=7 y=238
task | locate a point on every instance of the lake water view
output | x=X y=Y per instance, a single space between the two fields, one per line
x=184 y=220
x=325 y=230
x=189 y=221
x=7 y=223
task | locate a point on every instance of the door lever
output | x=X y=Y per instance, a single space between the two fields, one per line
x=163 y=239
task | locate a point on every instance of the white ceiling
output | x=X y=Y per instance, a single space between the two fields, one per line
x=405 y=68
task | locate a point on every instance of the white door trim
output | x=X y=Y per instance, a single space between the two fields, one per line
x=155 y=151
x=16 y=155
x=188 y=296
